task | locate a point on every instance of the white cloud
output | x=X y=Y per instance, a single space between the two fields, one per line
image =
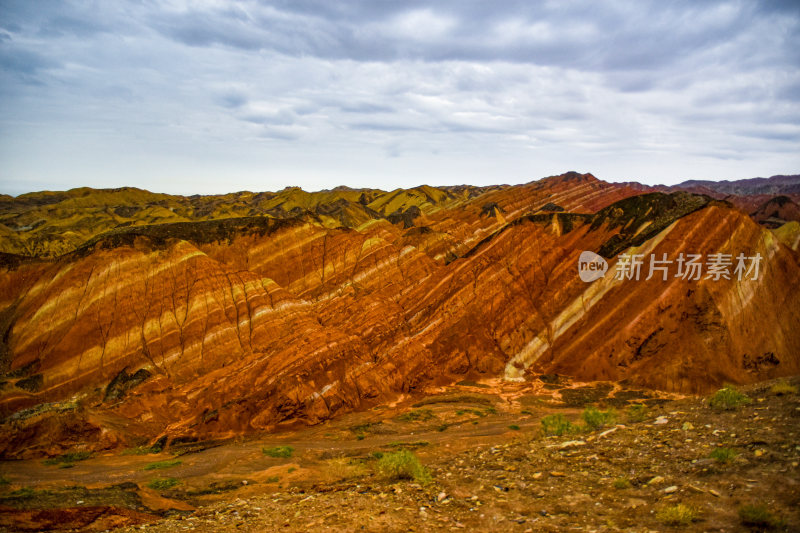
x=260 y=96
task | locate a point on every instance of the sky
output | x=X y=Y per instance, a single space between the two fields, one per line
x=217 y=96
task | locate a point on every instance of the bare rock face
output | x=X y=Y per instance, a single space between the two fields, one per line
x=203 y=329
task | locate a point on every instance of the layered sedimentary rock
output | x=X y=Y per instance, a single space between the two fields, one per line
x=208 y=329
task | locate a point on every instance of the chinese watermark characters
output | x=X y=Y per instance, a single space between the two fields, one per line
x=690 y=267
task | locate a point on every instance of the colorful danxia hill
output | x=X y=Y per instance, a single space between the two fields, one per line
x=127 y=315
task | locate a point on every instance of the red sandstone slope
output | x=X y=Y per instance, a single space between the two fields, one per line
x=216 y=328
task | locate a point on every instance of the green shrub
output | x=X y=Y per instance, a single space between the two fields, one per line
x=557 y=425
x=676 y=515
x=278 y=451
x=596 y=419
x=637 y=413
x=160 y=465
x=728 y=398
x=723 y=455
x=273 y=479
x=24 y=492
x=360 y=436
x=759 y=516
x=403 y=464
x=621 y=483
x=409 y=444
x=142 y=450
x=163 y=483
x=514 y=427
x=67 y=458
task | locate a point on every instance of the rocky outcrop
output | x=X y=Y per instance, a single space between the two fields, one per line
x=776 y=212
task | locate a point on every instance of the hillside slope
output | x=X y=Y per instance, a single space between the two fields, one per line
x=209 y=329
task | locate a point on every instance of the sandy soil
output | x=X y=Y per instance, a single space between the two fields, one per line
x=491 y=468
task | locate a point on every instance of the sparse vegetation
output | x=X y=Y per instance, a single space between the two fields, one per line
x=455 y=398
x=410 y=444
x=342 y=468
x=360 y=436
x=622 y=483
x=596 y=419
x=67 y=458
x=476 y=412
x=723 y=455
x=142 y=450
x=759 y=516
x=160 y=465
x=557 y=425
x=515 y=427
x=4 y=481
x=163 y=483
x=416 y=415
x=783 y=388
x=402 y=464
x=637 y=413
x=24 y=492
x=366 y=427
x=442 y=427
x=278 y=451
x=273 y=479
x=676 y=515
x=728 y=398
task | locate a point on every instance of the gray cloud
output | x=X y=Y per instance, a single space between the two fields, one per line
x=318 y=93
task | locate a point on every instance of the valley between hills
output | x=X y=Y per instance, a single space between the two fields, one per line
x=254 y=361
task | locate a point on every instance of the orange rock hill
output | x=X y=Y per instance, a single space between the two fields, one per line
x=213 y=328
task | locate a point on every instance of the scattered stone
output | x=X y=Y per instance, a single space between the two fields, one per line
x=656 y=480
x=713 y=493
x=441 y=496
x=572 y=444
x=608 y=431
x=671 y=489
x=633 y=503
x=557 y=474
x=661 y=420
x=687 y=426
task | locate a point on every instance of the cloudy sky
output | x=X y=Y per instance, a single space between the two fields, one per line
x=215 y=96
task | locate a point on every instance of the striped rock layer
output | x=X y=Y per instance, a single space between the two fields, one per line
x=210 y=329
